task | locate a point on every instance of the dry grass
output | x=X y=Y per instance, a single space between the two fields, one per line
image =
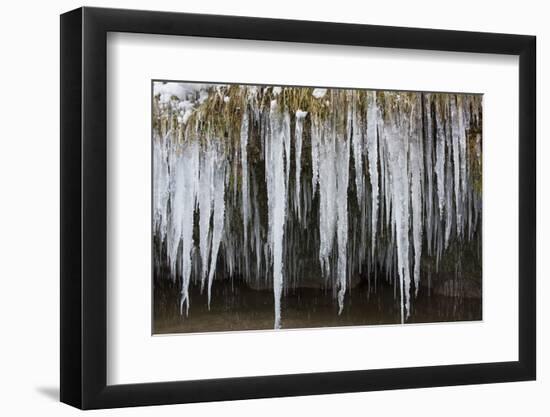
x=219 y=116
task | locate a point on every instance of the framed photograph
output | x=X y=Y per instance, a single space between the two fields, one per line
x=255 y=208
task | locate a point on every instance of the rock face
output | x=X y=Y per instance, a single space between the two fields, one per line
x=313 y=280
x=462 y=288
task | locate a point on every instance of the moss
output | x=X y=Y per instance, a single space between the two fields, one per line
x=219 y=116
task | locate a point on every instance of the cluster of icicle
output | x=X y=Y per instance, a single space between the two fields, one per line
x=384 y=177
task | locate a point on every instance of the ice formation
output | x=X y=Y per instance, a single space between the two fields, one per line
x=298 y=133
x=370 y=183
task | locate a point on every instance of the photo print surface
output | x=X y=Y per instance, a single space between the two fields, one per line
x=279 y=207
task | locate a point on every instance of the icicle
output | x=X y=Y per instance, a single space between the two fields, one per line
x=449 y=178
x=429 y=171
x=218 y=221
x=456 y=164
x=372 y=152
x=185 y=178
x=244 y=176
x=396 y=136
x=357 y=149
x=316 y=131
x=257 y=235
x=161 y=187
x=417 y=174
x=327 y=202
x=342 y=179
x=286 y=138
x=276 y=191
x=462 y=156
x=298 y=133
x=440 y=156
x=206 y=193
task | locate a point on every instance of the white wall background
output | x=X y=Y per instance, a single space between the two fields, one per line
x=29 y=209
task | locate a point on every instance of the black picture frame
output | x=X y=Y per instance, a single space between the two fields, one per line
x=84 y=207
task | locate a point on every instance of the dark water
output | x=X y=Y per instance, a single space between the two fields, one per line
x=235 y=306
